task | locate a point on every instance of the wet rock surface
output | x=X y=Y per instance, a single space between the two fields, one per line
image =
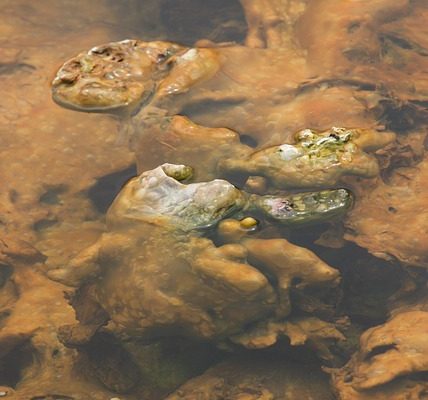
x=391 y=362
x=388 y=204
x=180 y=281
x=260 y=377
x=133 y=303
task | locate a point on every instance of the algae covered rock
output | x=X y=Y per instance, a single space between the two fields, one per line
x=317 y=159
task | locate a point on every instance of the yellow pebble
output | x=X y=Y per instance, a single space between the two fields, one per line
x=248 y=222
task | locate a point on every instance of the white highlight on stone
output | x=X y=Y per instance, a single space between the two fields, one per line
x=189 y=55
x=289 y=152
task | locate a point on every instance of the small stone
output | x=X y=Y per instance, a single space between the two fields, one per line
x=248 y=223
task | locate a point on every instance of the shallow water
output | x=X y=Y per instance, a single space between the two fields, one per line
x=158 y=307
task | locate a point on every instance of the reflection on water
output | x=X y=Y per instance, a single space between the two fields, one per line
x=185 y=290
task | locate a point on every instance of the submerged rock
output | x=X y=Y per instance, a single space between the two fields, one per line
x=315 y=160
x=392 y=362
x=261 y=377
x=177 y=280
x=238 y=283
x=32 y=308
x=217 y=87
x=380 y=214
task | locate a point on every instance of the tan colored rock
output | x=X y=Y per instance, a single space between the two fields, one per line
x=32 y=308
x=343 y=77
x=293 y=266
x=315 y=159
x=179 y=282
x=312 y=332
x=379 y=215
x=178 y=140
x=363 y=71
x=228 y=86
x=260 y=377
x=391 y=362
x=153 y=239
x=113 y=76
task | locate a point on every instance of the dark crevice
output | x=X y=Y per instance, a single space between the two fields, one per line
x=183 y=21
x=107 y=187
x=401 y=117
x=249 y=141
x=44 y=224
x=217 y=20
x=403 y=43
x=14 y=363
x=354 y=26
x=368 y=282
x=296 y=281
x=271 y=277
x=52 y=397
x=380 y=350
x=52 y=193
x=6 y=272
x=14 y=67
x=208 y=107
x=111 y=364
x=360 y=55
x=13 y=196
x=315 y=302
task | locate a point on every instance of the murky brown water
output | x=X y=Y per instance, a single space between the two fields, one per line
x=241 y=290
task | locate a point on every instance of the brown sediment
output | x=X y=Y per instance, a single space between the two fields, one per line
x=246 y=282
